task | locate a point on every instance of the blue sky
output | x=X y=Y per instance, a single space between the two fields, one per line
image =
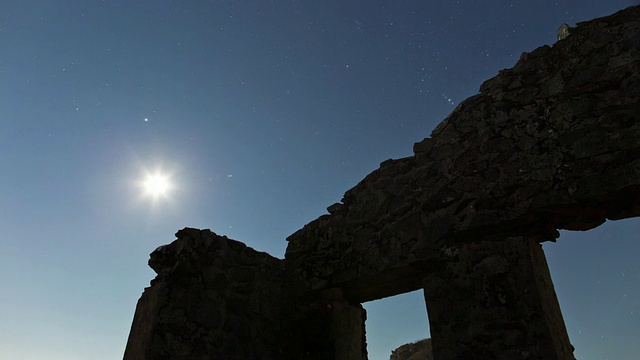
x=263 y=113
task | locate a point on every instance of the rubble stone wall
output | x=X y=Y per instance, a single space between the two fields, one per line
x=213 y=298
x=553 y=143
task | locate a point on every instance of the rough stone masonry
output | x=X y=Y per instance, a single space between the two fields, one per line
x=553 y=143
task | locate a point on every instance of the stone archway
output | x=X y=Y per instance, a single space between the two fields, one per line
x=550 y=144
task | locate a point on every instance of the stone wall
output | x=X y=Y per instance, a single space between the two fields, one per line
x=213 y=298
x=553 y=143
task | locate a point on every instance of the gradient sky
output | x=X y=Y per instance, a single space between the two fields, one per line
x=263 y=113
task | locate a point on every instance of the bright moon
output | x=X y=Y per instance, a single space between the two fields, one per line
x=156 y=185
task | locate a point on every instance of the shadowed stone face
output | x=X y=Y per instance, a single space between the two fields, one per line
x=213 y=296
x=550 y=144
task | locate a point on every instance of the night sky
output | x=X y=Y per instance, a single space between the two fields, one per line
x=259 y=114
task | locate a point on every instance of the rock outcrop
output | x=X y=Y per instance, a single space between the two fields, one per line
x=553 y=143
x=419 y=350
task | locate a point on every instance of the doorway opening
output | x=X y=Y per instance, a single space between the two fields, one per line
x=395 y=321
x=597 y=280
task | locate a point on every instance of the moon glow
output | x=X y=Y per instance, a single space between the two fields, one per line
x=156 y=185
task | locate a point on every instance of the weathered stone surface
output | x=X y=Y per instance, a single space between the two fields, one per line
x=213 y=298
x=495 y=300
x=563 y=31
x=553 y=143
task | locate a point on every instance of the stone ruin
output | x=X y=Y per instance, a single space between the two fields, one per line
x=553 y=143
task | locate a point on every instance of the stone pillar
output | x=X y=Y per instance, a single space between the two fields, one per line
x=495 y=300
x=348 y=331
x=329 y=328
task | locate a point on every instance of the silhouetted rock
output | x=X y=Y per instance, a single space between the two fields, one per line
x=420 y=350
x=213 y=298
